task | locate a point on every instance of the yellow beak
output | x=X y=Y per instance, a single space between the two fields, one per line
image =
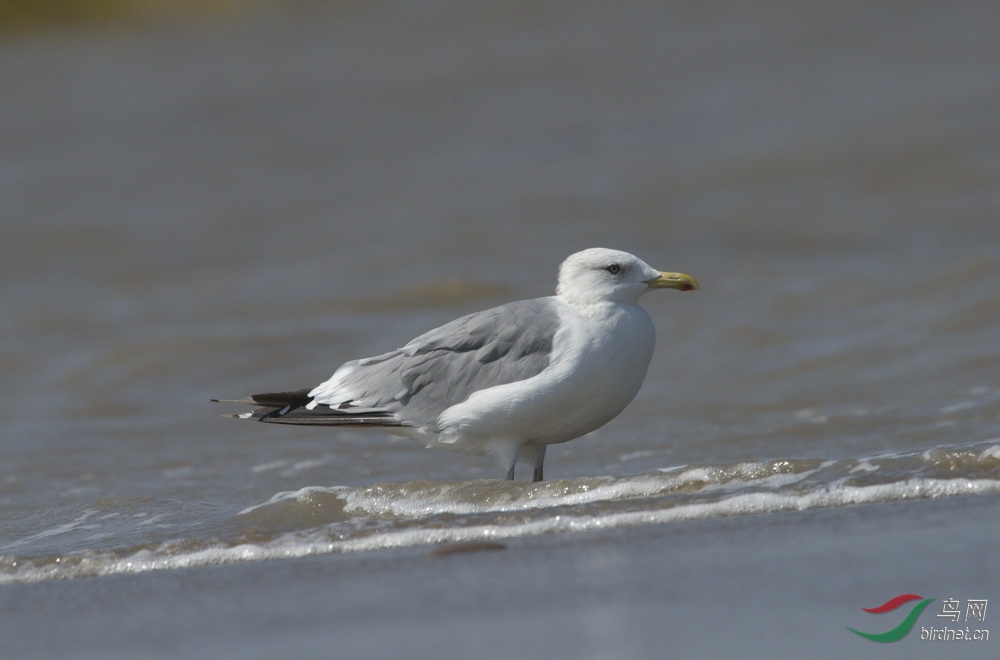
x=678 y=281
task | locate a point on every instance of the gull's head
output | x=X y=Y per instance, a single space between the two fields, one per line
x=602 y=275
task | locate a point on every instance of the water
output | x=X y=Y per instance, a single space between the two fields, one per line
x=220 y=207
x=125 y=535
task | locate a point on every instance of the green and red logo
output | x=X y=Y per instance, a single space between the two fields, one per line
x=951 y=610
x=900 y=631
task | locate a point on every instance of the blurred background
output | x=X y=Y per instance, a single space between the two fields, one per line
x=210 y=199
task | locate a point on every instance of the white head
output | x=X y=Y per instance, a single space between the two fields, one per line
x=601 y=275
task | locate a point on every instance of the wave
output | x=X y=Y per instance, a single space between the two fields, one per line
x=336 y=519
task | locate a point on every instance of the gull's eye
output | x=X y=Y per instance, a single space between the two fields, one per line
x=614 y=269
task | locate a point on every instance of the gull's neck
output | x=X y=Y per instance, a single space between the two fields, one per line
x=589 y=307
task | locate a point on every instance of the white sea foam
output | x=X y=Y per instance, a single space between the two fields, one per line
x=741 y=504
x=320 y=542
x=341 y=519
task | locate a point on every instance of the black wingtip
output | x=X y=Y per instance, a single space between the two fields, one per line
x=294 y=398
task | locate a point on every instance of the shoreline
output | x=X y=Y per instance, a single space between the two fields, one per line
x=786 y=583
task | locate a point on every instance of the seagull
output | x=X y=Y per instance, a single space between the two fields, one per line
x=505 y=382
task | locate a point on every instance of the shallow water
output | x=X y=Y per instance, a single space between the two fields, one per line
x=114 y=535
x=213 y=209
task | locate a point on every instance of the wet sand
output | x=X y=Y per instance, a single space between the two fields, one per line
x=779 y=586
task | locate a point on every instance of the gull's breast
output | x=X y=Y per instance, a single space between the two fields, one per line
x=597 y=365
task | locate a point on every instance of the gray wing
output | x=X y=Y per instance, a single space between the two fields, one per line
x=445 y=366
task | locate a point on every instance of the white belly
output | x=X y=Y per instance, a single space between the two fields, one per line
x=597 y=366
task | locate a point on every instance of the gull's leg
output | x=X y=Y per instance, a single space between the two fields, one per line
x=535 y=454
x=505 y=452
